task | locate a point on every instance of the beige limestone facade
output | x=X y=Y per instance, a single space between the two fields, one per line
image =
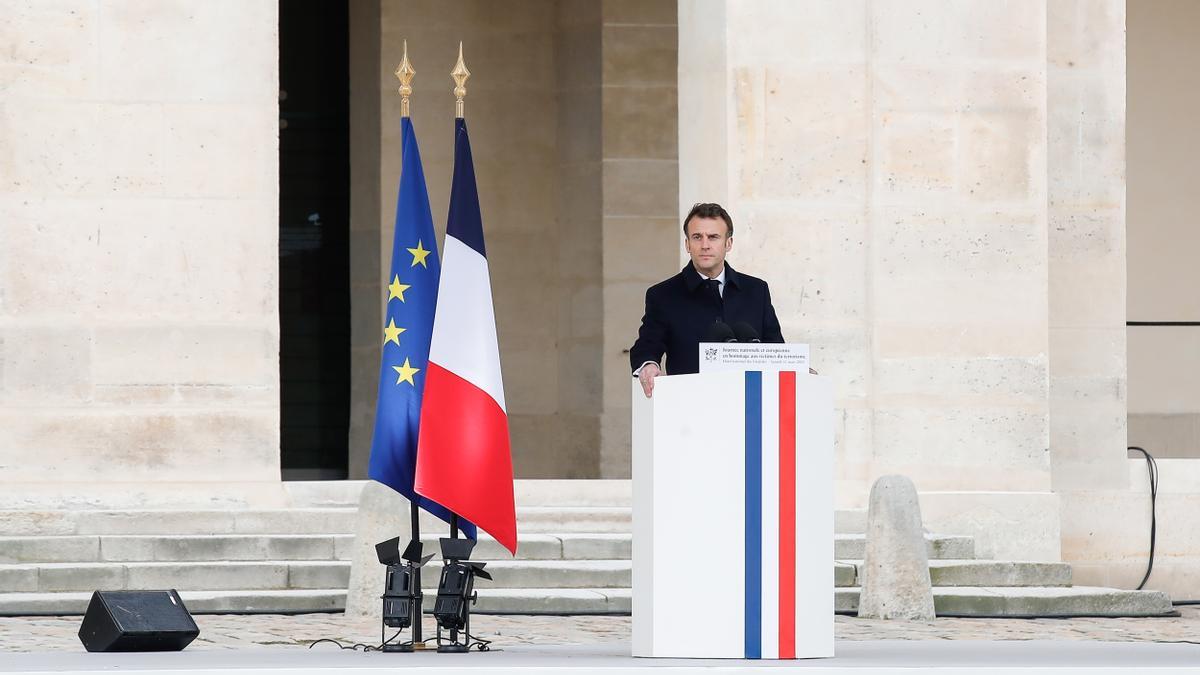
x=959 y=205
x=139 y=332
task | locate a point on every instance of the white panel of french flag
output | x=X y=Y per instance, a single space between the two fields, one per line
x=743 y=492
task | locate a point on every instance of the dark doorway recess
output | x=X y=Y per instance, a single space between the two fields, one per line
x=314 y=228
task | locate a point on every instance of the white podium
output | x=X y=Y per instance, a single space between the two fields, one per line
x=733 y=516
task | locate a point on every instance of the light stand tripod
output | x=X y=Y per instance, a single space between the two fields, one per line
x=402 y=598
x=456 y=592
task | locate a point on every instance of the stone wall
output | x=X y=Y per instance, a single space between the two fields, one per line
x=1086 y=184
x=139 y=331
x=641 y=231
x=885 y=165
x=511 y=110
x=572 y=115
x=580 y=283
x=1105 y=497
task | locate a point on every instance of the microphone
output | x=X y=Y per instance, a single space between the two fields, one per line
x=720 y=332
x=745 y=332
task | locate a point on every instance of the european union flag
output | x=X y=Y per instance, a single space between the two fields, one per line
x=408 y=326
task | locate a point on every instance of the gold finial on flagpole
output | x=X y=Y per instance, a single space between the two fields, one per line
x=405 y=72
x=460 y=75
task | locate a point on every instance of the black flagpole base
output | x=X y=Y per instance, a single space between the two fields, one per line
x=398 y=648
x=452 y=649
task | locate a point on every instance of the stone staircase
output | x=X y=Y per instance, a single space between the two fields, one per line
x=572 y=559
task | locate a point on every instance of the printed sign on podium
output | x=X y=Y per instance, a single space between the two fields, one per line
x=741 y=356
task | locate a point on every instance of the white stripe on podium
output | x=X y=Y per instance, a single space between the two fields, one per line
x=770 y=515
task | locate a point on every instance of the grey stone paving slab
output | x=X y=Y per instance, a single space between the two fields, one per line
x=225 y=631
x=873 y=656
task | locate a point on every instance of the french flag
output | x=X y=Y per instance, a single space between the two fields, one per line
x=464 y=461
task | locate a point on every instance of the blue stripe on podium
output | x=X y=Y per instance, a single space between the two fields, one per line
x=753 y=514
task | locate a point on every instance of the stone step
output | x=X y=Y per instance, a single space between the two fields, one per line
x=517 y=574
x=235 y=547
x=961 y=602
x=238 y=547
x=316 y=574
x=850 y=521
x=328 y=520
x=316 y=520
x=945 y=573
x=1032 y=602
x=282 y=575
x=573 y=546
x=938 y=546
x=198 y=602
x=527 y=492
x=174 y=548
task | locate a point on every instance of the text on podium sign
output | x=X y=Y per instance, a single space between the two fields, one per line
x=716 y=357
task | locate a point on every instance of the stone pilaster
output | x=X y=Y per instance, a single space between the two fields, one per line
x=139 y=264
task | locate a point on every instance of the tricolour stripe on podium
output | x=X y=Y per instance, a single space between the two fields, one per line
x=753 y=601
x=770 y=547
x=787 y=515
x=769 y=646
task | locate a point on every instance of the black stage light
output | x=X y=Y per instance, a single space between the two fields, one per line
x=456 y=593
x=401 y=590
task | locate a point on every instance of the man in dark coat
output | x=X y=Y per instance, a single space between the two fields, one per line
x=681 y=311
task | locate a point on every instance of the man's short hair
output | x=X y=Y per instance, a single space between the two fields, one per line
x=709 y=211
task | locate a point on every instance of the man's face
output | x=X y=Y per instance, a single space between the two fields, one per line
x=707 y=243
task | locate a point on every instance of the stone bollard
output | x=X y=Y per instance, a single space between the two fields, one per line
x=895 y=572
x=382 y=514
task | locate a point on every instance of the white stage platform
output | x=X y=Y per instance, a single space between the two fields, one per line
x=894 y=656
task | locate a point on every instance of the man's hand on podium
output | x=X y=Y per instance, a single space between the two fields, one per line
x=646 y=376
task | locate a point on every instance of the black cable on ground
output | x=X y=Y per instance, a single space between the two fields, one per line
x=358 y=645
x=1152 y=468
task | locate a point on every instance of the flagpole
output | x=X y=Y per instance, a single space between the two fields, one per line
x=405 y=73
x=459 y=75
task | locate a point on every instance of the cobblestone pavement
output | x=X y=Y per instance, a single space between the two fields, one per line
x=221 y=631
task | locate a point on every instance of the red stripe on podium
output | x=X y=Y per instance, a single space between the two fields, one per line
x=787 y=515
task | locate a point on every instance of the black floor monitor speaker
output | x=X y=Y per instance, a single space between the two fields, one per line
x=137 y=621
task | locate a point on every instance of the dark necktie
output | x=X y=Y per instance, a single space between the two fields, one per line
x=714 y=290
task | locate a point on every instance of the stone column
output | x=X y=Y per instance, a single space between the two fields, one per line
x=1086 y=184
x=1105 y=523
x=139 y=263
x=885 y=166
x=641 y=232
x=573 y=450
